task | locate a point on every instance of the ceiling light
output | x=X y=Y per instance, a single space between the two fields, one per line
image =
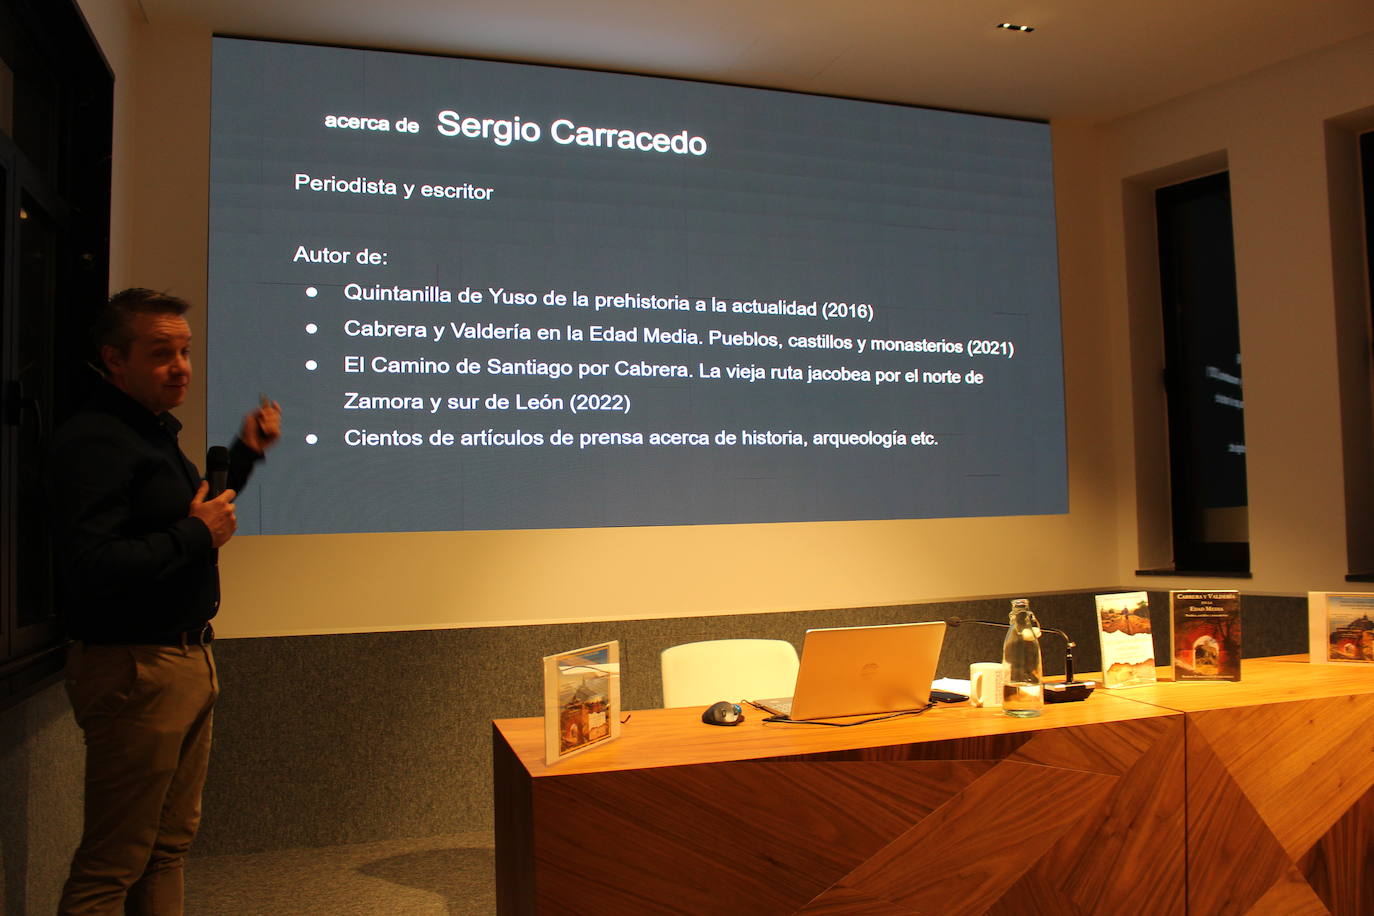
x=1015 y=28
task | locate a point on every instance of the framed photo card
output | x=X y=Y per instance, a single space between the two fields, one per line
x=581 y=699
x=1340 y=628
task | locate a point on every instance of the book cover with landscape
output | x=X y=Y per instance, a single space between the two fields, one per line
x=1350 y=628
x=1128 y=643
x=581 y=699
x=1205 y=629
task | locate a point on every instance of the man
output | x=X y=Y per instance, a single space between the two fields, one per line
x=137 y=540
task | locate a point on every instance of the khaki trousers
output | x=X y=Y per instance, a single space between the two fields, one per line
x=146 y=714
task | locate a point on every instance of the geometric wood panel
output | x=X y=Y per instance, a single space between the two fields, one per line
x=964 y=856
x=1340 y=866
x=1129 y=856
x=1056 y=819
x=1233 y=859
x=1289 y=896
x=1279 y=807
x=1061 y=826
x=727 y=838
x=1302 y=764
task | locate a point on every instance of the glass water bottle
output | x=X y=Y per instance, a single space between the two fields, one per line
x=1022 y=695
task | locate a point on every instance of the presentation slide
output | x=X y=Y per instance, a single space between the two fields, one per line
x=503 y=296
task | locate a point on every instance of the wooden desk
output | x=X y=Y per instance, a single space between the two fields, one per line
x=1088 y=809
x=958 y=811
x=1280 y=797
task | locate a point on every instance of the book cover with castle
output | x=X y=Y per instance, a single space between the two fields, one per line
x=1350 y=628
x=1128 y=643
x=1205 y=635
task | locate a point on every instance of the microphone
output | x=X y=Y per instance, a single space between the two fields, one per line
x=1068 y=692
x=217 y=470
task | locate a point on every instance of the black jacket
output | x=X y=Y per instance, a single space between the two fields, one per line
x=133 y=565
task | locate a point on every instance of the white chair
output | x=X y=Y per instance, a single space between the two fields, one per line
x=700 y=673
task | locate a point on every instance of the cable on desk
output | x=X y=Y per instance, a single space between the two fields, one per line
x=783 y=720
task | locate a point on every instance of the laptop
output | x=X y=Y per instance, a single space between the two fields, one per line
x=853 y=671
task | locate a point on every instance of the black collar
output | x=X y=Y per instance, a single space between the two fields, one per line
x=112 y=400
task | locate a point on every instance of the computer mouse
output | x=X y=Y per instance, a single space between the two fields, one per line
x=723 y=713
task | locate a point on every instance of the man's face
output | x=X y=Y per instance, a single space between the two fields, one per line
x=157 y=369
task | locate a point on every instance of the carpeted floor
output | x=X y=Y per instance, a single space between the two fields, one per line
x=445 y=876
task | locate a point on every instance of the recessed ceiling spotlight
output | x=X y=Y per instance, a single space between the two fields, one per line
x=1015 y=28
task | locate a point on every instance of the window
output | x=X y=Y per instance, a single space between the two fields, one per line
x=1205 y=402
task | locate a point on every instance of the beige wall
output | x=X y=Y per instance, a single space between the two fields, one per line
x=1269 y=129
x=1270 y=125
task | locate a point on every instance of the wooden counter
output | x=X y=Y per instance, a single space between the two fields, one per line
x=958 y=811
x=1094 y=807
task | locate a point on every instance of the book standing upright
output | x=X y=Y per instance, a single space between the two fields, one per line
x=1205 y=635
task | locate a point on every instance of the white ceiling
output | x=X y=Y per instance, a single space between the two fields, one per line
x=1092 y=59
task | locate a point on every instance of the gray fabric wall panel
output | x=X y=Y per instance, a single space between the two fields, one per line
x=1270 y=625
x=41 y=767
x=322 y=740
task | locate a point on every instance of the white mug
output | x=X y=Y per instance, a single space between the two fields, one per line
x=985 y=681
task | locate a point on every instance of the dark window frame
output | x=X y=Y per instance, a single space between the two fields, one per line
x=1202 y=373
x=54 y=265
